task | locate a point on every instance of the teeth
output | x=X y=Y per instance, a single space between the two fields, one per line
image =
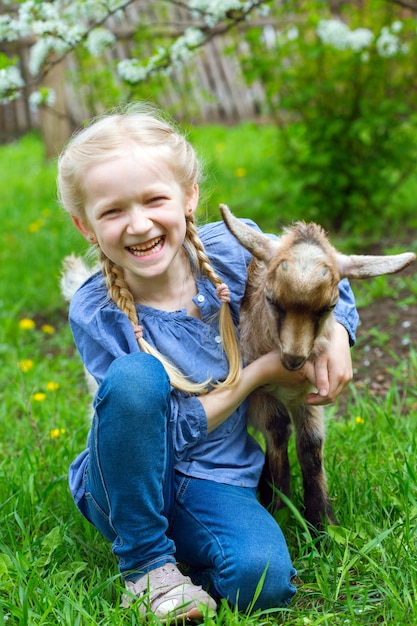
x=143 y=250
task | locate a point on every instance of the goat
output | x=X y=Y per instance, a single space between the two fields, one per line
x=291 y=291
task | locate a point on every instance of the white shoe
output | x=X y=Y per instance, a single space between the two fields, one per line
x=168 y=594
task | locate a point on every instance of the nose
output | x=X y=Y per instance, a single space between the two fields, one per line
x=139 y=222
x=293 y=362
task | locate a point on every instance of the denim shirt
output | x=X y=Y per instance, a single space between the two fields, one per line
x=103 y=333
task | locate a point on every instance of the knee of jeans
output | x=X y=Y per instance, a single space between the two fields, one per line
x=261 y=583
x=134 y=380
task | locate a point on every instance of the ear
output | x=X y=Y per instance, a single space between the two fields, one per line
x=84 y=229
x=365 y=266
x=261 y=246
x=191 y=203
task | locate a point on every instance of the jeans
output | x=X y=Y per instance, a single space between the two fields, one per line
x=153 y=515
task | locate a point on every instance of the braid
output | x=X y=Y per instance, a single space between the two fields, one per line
x=227 y=328
x=121 y=295
x=118 y=290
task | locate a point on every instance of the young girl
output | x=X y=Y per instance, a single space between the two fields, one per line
x=170 y=473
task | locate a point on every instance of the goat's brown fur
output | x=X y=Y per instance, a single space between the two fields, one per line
x=291 y=291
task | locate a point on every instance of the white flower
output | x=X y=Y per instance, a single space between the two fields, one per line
x=43 y=96
x=99 y=39
x=338 y=35
x=132 y=71
x=360 y=38
x=10 y=82
x=193 y=37
x=334 y=33
x=292 y=33
x=40 y=51
x=388 y=44
x=396 y=26
x=213 y=11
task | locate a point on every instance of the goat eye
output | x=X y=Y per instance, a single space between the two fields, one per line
x=274 y=304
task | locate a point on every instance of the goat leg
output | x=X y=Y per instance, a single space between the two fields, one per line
x=276 y=471
x=309 y=432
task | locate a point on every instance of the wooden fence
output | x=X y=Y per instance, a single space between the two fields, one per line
x=209 y=89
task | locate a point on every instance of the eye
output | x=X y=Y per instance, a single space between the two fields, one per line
x=274 y=304
x=156 y=200
x=110 y=212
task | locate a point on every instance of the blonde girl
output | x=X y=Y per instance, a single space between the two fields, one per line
x=169 y=473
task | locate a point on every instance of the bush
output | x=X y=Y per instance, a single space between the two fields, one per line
x=343 y=93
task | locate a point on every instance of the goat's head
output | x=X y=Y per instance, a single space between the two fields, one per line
x=302 y=272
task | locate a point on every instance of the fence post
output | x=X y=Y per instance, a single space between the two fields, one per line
x=54 y=121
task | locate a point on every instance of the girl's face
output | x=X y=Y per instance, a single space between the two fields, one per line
x=136 y=211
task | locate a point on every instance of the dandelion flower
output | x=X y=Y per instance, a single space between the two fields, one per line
x=54 y=433
x=35 y=226
x=48 y=329
x=25 y=365
x=26 y=324
x=359 y=420
x=52 y=386
x=39 y=396
x=240 y=172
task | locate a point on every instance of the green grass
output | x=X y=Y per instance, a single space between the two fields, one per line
x=54 y=568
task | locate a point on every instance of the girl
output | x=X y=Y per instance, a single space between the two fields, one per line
x=170 y=472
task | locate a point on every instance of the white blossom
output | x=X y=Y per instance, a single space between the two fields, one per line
x=10 y=82
x=334 y=33
x=397 y=26
x=132 y=71
x=98 y=39
x=213 y=11
x=43 y=96
x=388 y=44
x=42 y=49
x=292 y=33
x=360 y=38
x=338 y=35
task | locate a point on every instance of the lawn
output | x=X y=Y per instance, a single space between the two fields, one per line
x=54 y=568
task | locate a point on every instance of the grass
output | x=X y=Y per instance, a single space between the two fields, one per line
x=54 y=567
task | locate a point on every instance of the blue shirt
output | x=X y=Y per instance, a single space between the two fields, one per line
x=103 y=333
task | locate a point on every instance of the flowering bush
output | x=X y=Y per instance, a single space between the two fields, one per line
x=343 y=92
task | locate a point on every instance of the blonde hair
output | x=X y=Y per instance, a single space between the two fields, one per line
x=107 y=137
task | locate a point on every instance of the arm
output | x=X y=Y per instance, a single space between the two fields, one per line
x=220 y=403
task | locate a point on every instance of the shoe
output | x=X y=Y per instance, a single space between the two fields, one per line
x=168 y=594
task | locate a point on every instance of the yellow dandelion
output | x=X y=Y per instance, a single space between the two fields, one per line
x=39 y=396
x=359 y=420
x=26 y=324
x=54 y=433
x=47 y=329
x=240 y=172
x=52 y=386
x=25 y=365
x=35 y=226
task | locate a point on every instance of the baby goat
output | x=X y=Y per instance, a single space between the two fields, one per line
x=291 y=292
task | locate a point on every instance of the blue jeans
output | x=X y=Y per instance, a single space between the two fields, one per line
x=152 y=515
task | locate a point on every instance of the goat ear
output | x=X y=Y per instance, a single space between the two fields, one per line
x=261 y=246
x=365 y=266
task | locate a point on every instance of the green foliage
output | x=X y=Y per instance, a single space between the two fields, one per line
x=347 y=115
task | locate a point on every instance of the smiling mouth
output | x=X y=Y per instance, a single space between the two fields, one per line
x=150 y=247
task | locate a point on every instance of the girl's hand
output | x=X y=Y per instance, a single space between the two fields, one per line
x=332 y=371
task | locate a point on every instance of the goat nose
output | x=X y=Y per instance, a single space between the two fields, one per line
x=293 y=362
